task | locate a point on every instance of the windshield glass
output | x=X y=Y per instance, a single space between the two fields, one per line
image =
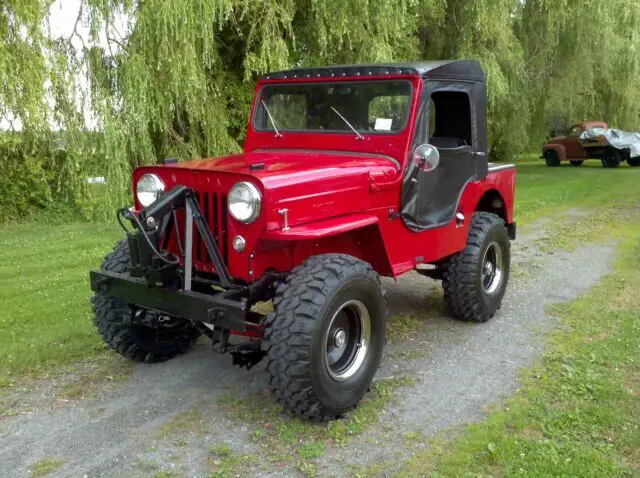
x=368 y=107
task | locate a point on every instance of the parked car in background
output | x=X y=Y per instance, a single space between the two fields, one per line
x=591 y=140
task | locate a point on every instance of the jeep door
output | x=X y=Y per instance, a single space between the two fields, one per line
x=446 y=120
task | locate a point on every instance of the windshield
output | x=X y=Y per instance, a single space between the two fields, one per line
x=368 y=107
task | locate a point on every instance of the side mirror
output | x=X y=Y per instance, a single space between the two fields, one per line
x=426 y=157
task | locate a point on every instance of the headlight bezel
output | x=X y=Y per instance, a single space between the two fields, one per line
x=255 y=201
x=156 y=191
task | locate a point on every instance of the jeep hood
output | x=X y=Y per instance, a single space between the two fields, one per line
x=310 y=185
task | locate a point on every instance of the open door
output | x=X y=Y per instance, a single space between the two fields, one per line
x=447 y=121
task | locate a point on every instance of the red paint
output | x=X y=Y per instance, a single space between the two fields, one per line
x=338 y=192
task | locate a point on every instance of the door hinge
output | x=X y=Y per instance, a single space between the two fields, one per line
x=393 y=214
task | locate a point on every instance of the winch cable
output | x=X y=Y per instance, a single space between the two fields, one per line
x=127 y=214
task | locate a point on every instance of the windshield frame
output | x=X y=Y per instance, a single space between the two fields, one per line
x=259 y=98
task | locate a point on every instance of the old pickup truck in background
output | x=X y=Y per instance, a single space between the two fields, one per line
x=592 y=140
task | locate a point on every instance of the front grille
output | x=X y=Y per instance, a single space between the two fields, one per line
x=214 y=209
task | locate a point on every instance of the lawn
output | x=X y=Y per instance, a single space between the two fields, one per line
x=541 y=191
x=45 y=318
x=45 y=315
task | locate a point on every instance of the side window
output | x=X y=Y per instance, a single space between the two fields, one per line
x=575 y=130
x=290 y=110
x=388 y=113
x=450 y=119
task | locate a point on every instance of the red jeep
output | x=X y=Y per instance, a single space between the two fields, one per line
x=348 y=173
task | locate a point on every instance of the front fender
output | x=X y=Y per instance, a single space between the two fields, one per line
x=322 y=228
x=357 y=235
x=558 y=148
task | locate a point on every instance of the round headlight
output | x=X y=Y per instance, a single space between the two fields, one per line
x=149 y=188
x=244 y=202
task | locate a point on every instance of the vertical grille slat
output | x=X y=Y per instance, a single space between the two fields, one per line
x=225 y=231
x=214 y=209
x=202 y=198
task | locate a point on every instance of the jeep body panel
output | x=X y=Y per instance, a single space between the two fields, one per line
x=333 y=192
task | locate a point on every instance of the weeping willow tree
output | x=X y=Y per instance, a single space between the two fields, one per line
x=163 y=78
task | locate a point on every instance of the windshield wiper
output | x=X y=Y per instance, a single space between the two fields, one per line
x=273 y=123
x=347 y=123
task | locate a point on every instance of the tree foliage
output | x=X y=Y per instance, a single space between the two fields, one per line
x=178 y=80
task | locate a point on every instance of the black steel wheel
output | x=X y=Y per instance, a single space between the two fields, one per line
x=576 y=162
x=172 y=337
x=475 y=279
x=612 y=158
x=326 y=336
x=551 y=158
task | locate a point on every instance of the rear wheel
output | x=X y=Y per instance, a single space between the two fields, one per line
x=612 y=159
x=551 y=158
x=325 y=338
x=112 y=318
x=576 y=163
x=475 y=279
x=634 y=162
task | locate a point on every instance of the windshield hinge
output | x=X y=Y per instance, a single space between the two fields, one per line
x=393 y=214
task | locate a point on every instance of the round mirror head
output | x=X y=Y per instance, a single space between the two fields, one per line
x=427 y=157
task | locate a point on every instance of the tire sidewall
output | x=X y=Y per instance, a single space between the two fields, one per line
x=337 y=396
x=551 y=158
x=491 y=302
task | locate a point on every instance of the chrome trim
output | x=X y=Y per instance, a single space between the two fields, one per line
x=500 y=167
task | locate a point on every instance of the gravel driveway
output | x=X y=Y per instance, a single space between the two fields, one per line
x=144 y=426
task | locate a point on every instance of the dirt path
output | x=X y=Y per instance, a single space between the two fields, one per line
x=168 y=416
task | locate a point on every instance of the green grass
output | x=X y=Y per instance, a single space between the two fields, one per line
x=578 y=413
x=45 y=467
x=45 y=317
x=542 y=191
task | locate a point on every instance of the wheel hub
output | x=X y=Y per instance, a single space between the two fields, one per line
x=492 y=269
x=347 y=340
x=339 y=338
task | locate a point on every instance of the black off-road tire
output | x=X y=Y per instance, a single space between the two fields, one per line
x=634 y=162
x=297 y=333
x=463 y=288
x=576 y=162
x=138 y=343
x=551 y=158
x=612 y=159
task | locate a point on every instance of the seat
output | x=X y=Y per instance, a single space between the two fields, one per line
x=446 y=142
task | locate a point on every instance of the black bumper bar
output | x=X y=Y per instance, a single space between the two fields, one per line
x=218 y=309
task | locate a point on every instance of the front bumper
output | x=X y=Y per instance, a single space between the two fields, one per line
x=219 y=309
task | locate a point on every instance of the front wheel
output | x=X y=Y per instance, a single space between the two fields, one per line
x=326 y=336
x=551 y=158
x=112 y=318
x=475 y=279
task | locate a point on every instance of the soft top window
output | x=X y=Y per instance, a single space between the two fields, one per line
x=371 y=107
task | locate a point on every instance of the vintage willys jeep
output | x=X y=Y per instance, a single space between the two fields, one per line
x=348 y=173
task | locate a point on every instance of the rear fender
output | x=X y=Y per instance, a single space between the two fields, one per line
x=357 y=235
x=558 y=148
